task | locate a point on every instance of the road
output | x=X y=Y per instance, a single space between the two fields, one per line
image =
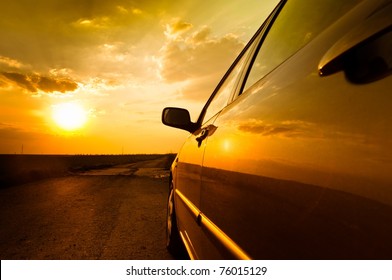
x=117 y=213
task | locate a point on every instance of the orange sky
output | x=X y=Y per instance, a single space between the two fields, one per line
x=118 y=63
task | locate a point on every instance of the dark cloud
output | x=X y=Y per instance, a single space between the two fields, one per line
x=50 y=85
x=267 y=130
x=21 y=80
x=9 y=132
x=34 y=83
x=2 y=84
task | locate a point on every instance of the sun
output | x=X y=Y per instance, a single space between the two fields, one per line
x=69 y=116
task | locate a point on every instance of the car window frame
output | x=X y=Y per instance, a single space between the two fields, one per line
x=263 y=36
x=255 y=42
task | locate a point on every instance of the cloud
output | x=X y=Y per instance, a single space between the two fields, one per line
x=284 y=129
x=7 y=62
x=3 y=84
x=14 y=139
x=21 y=80
x=63 y=33
x=95 y=23
x=201 y=35
x=125 y=11
x=174 y=29
x=34 y=83
x=11 y=132
x=196 y=56
x=51 y=85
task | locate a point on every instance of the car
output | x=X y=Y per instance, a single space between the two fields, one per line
x=291 y=156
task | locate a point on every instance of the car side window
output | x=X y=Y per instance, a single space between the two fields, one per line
x=229 y=85
x=295 y=26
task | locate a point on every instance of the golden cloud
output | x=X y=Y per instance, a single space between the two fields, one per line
x=10 y=63
x=176 y=28
x=201 y=35
x=198 y=57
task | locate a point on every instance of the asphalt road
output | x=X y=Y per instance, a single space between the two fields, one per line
x=117 y=213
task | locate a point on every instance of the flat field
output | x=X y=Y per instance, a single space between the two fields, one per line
x=18 y=169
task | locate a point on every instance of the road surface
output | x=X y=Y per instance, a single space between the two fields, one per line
x=117 y=213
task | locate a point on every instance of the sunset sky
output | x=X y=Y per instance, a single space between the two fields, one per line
x=92 y=76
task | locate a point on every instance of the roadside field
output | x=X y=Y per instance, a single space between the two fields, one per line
x=18 y=169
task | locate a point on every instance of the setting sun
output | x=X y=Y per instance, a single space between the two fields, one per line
x=69 y=116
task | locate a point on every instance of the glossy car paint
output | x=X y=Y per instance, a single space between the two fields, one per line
x=296 y=167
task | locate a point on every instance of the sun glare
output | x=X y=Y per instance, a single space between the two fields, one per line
x=69 y=116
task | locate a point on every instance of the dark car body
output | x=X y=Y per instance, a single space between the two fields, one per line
x=291 y=157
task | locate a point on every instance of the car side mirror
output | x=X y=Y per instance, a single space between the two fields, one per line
x=178 y=118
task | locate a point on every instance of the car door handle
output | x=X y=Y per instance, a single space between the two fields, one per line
x=207 y=131
x=203 y=135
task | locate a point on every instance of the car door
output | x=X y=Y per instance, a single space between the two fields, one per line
x=299 y=164
x=190 y=159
